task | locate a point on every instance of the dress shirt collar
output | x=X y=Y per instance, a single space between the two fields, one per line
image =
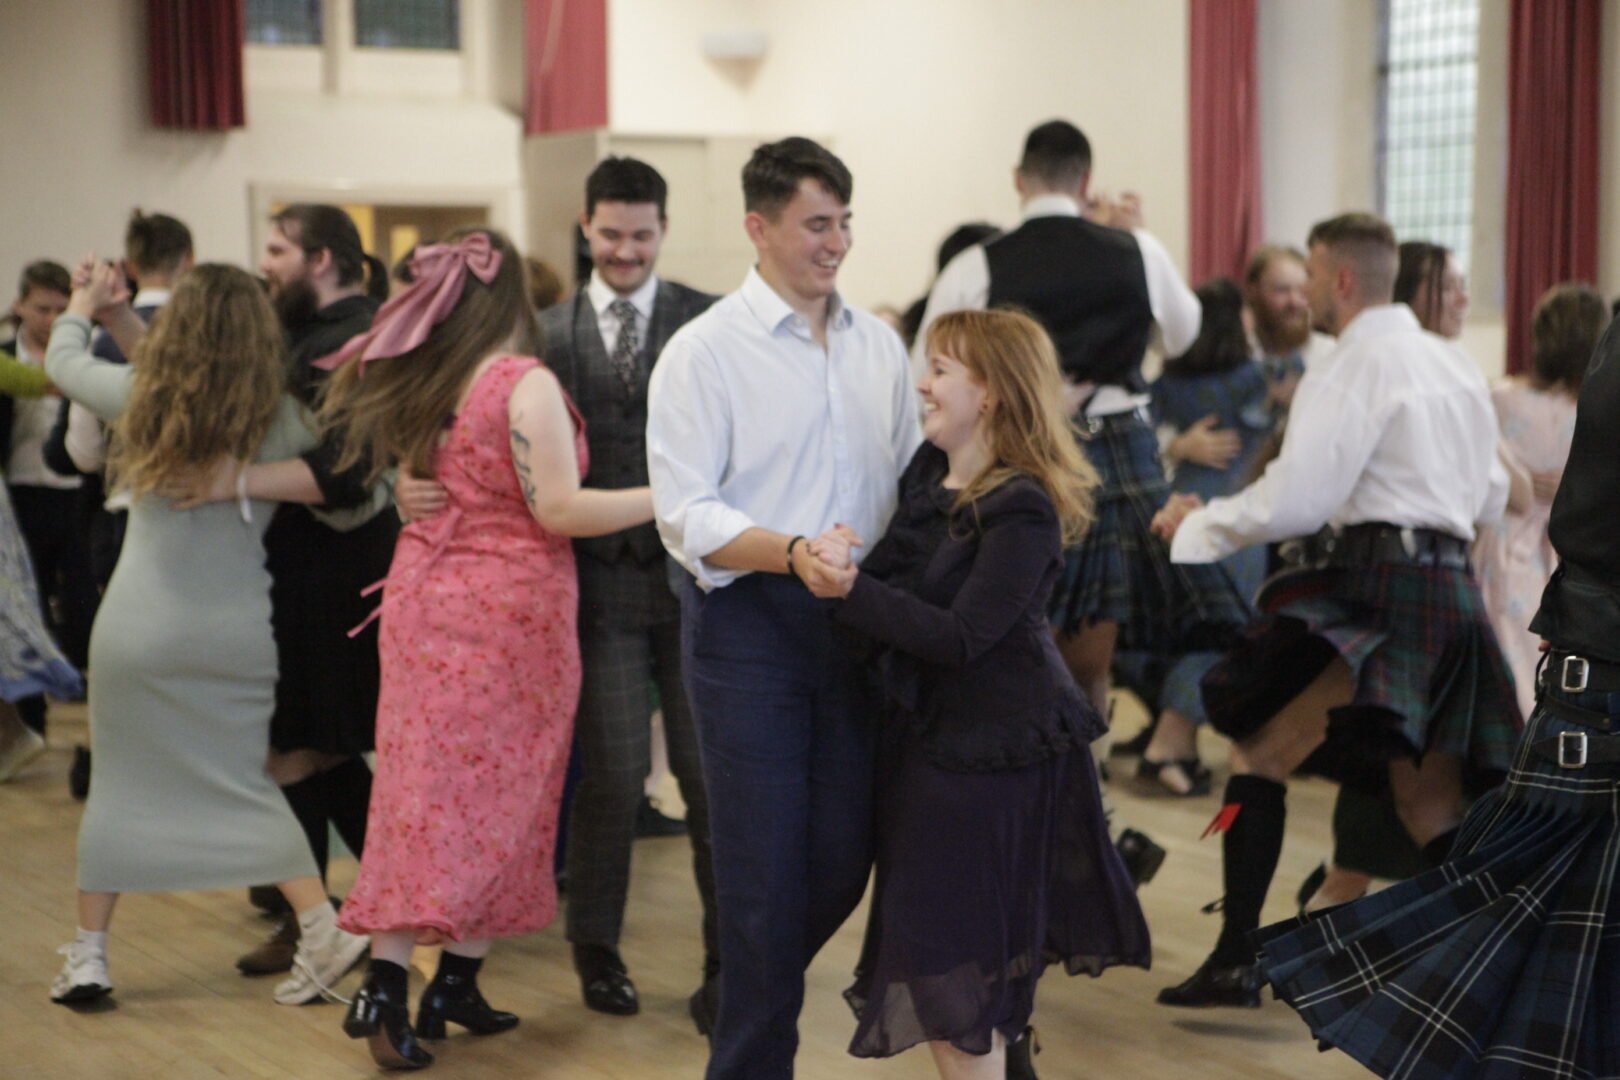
x=772 y=311
x=1050 y=206
x=601 y=295
x=1379 y=320
x=153 y=297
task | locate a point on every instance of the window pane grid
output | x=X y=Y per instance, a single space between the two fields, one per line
x=284 y=22
x=1428 y=75
x=407 y=24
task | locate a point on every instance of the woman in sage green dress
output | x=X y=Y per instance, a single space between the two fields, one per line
x=182 y=649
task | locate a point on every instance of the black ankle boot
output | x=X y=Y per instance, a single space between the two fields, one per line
x=379 y=1015
x=456 y=998
x=1021 y=1056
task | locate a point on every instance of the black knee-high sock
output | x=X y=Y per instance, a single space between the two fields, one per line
x=348 y=797
x=308 y=801
x=1249 y=851
x=464 y=968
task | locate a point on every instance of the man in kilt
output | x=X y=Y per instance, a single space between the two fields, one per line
x=1376 y=664
x=1099 y=284
x=1504 y=964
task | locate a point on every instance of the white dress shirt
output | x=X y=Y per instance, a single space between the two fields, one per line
x=751 y=423
x=32 y=421
x=602 y=297
x=1395 y=425
x=964 y=285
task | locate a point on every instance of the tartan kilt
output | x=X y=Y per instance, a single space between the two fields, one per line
x=1429 y=675
x=1502 y=963
x=1120 y=572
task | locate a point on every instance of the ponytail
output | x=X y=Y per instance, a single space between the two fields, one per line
x=376 y=277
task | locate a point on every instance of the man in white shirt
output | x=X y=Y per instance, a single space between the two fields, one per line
x=49 y=509
x=1375 y=666
x=1100 y=288
x=775 y=415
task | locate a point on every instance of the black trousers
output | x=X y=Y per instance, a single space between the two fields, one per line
x=53 y=526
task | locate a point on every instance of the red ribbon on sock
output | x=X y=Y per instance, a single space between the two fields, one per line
x=1222 y=822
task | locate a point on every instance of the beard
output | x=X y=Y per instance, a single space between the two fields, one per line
x=1283 y=333
x=295 y=303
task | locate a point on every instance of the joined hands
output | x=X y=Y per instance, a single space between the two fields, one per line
x=827 y=566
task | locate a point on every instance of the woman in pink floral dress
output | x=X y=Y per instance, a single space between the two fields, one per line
x=480 y=660
x=1536 y=413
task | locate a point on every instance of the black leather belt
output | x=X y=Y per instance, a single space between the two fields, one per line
x=1577 y=749
x=1088 y=426
x=1375 y=542
x=1574 y=674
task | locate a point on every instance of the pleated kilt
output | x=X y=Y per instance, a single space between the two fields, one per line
x=1120 y=572
x=1502 y=963
x=1429 y=675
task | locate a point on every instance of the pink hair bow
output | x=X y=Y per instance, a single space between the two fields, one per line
x=405 y=321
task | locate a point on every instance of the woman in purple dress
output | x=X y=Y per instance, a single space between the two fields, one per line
x=993 y=858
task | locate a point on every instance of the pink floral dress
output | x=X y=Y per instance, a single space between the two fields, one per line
x=480 y=679
x=1514 y=558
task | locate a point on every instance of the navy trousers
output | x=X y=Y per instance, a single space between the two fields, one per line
x=786 y=728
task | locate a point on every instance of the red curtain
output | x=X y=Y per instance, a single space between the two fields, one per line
x=1554 y=80
x=565 y=47
x=1223 y=119
x=194 y=63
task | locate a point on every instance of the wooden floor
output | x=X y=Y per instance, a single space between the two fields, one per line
x=181 y=1010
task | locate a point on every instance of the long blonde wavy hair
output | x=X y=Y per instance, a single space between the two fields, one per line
x=1030 y=433
x=209 y=376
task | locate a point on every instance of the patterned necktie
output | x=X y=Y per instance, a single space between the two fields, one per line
x=624 y=349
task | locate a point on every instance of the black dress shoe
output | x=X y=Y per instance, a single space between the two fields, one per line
x=703 y=1005
x=385 y=1023
x=1021 y=1056
x=604 y=981
x=79 y=774
x=651 y=821
x=1234 y=986
x=457 y=999
x=1141 y=855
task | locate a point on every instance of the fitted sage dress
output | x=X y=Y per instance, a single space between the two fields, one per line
x=185 y=679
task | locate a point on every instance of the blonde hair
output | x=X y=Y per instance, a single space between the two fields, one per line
x=1030 y=434
x=396 y=410
x=209 y=376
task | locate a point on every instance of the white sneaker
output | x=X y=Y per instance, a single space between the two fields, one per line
x=83 y=976
x=24 y=746
x=317 y=970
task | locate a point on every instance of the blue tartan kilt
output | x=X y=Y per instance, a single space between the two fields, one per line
x=1502 y=964
x=1120 y=572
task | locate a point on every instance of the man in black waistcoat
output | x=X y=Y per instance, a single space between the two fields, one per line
x=602 y=344
x=1099 y=284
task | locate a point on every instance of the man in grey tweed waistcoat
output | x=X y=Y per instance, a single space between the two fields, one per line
x=602 y=344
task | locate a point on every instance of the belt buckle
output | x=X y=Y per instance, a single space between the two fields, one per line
x=1568 y=740
x=1090 y=426
x=1576 y=673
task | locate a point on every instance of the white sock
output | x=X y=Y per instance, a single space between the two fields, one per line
x=94 y=939
x=319 y=923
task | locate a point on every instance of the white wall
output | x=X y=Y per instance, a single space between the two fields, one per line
x=927 y=101
x=80 y=151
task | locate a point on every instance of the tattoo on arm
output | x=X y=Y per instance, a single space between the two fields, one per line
x=520 y=460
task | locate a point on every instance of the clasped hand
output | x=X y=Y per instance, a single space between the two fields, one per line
x=828 y=567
